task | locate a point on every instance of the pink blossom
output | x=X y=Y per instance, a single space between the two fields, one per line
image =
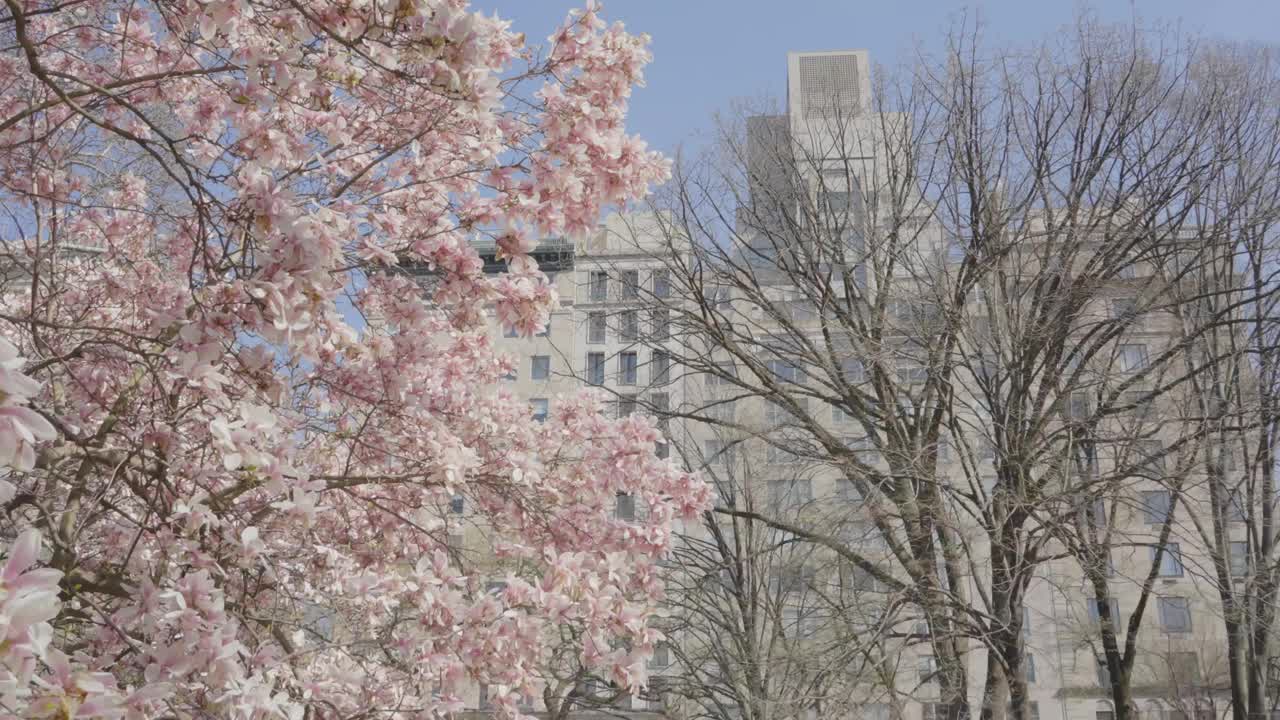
x=254 y=414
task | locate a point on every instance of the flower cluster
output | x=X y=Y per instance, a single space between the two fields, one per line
x=272 y=467
x=20 y=426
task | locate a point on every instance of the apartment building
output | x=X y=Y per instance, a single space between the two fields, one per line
x=608 y=334
x=651 y=333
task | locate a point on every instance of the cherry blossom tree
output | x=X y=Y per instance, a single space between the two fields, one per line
x=237 y=434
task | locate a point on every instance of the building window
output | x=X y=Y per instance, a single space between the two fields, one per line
x=1239 y=559
x=626 y=405
x=779 y=456
x=1228 y=458
x=784 y=371
x=792 y=578
x=798 y=622
x=1096 y=513
x=1108 y=713
x=595 y=328
x=853 y=371
x=719 y=451
x=776 y=414
x=859 y=272
x=864 y=448
x=661 y=656
x=1151 y=456
x=624 y=507
x=1029 y=668
x=1184 y=668
x=546 y=329
x=661 y=404
x=1235 y=506
x=790 y=493
x=599 y=285
x=926 y=668
x=1133 y=358
x=540 y=407
x=661 y=283
x=510 y=332
x=660 y=372
x=595 y=368
x=660 y=318
x=943 y=450
x=1095 y=616
x=1175 y=614
x=847 y=490
x=510 y=375
x=716 y=298
x=1136 y=404
x=318 y=620
x=986 y=449
x=1078 y=406
x=863 y=535
x=627 y=372
x=723 y=374
x=457 y=504
x=1104 y=674
x=722 y=411
x=1170 y=560
x=933 y=711
x=840 y=415
x=874 y=711
x=1124 y=308
x=857 y=579
x=541 y=367
x=911 y=372
x=630 y=284
x=630 y=326
x=1156 y=506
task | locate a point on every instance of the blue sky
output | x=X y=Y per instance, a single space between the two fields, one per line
x=710 y=52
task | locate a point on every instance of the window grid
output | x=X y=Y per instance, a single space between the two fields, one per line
x=628 y=373
x=599 y=285
x=1156 y=506
x=660 y=320
x=595 y=368
x=626 y=405
x=540 y=408
x=1133 y=357
x=630 y=284
x=540 y=367
x=596 y=331
x=1175 y=614
x=1170 y=560
x=660 y=372
x=629 y=326
x=661 y=283
x=1239 y=560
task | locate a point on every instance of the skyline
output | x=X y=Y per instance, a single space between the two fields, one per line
x=696 y=73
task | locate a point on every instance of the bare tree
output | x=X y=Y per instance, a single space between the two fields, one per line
x=765 y=624
x=961 y=299
x=1225 y=312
